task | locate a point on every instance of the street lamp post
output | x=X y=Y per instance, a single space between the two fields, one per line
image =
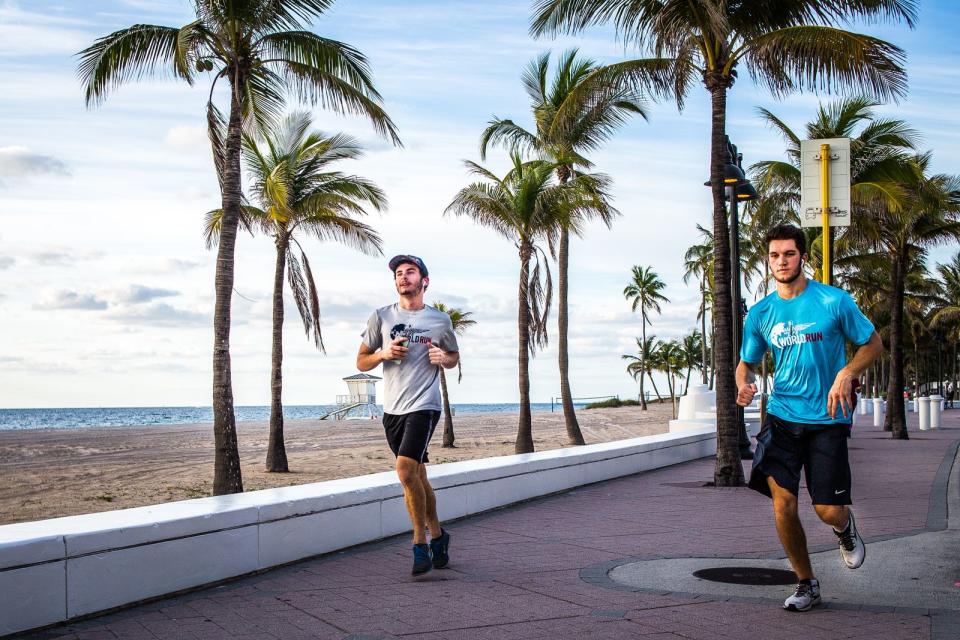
x=738 y=189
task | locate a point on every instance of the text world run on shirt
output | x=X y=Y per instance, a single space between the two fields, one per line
x=788 y=333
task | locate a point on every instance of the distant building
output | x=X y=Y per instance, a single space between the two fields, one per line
x=360 y=403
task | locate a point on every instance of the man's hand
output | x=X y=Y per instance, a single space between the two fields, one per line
x=745 y=394
x=841 y=395
x=437 y=355
x=395 y=350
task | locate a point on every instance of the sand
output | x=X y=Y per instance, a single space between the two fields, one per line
x=51 y=473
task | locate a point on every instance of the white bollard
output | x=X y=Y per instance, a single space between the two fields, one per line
x=913 y=405
x=878 y=412
x=935 y=407
x=863 y=405
x=924 y=412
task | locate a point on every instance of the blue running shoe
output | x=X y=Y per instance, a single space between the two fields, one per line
x=438 y=547
x=421 y=559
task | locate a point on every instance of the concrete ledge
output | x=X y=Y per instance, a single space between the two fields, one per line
x=58 y=569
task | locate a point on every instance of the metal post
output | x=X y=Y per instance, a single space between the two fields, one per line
x=825 y=211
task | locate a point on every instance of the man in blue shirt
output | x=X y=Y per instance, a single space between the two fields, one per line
x=806 y=325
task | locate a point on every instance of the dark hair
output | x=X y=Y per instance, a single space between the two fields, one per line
x=787 y=232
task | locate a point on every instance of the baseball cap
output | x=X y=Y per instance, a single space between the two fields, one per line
x=396 y=261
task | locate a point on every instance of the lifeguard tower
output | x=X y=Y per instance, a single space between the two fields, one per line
x=360 y=403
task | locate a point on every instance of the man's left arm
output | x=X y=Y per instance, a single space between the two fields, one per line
x=447 y=337
x=445 y=359
x=841 y=393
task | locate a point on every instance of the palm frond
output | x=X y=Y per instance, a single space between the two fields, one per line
x=134 y=53
x=826 y=58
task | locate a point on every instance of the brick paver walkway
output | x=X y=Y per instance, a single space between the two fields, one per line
x=530 y=571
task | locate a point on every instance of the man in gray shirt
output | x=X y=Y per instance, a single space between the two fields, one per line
x=412 y=341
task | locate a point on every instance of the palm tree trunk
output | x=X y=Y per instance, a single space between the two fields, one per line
x=671 y=380
x=703 y=331
x=276 y=451
x=227 y=477
x=645 y=364
x=448 y=436
x=524 y=442
x=655 y=390
x=728 y=471
x=713 y=350
x=895 y=420
x=574 y=436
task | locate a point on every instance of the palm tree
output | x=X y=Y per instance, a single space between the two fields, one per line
x=783 y=45
x=929 y=216
x=946 y=315
x=262 y=49
x=574 y=112
x=672 y=360
x=692 y=358
x=644 y=293
x=639 y=365
x=298 y=193
x=461 y=321
x=698 y=263
x=526 y=206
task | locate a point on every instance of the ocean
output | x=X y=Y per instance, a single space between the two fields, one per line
x=79 y=418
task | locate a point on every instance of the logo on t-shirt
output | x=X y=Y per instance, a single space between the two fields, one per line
x=410 y=333
x=789 y=333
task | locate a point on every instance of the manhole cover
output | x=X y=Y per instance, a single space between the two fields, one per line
x=686 y=485
x=747 y=575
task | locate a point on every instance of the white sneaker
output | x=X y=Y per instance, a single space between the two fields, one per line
x=852 y=549
x=806 y=597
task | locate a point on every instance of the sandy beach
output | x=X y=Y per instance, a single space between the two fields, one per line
x=52 y=473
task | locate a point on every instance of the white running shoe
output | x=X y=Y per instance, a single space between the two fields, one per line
x=852 y=549
x=806 y=597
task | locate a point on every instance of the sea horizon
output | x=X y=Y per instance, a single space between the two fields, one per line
x=30 y=418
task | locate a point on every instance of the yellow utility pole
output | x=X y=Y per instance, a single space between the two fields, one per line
x=825 y=210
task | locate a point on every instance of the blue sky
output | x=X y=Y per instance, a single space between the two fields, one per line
x=106 y=289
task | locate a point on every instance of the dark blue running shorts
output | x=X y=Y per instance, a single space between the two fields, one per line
x=409 y=434
x=784 y=448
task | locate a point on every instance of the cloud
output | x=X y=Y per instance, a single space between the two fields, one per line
x=20 y=162
x=138 y=294
x=6 y=262
x=70 y=300
x=61 y=258
x=160 y=314
x=187 y=138
x=23 y=33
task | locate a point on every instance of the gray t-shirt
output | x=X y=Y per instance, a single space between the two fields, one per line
x=414 y=384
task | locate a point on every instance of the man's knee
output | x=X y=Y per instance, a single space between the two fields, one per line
x=831 y=513
x=408 y=471
x=784 y=502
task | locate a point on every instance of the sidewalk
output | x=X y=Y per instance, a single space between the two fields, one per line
x=614 y=560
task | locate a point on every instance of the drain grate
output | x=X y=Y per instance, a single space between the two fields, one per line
x=747 y=575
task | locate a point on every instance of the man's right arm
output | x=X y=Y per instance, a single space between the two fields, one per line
x=746 y=387
x=367 y=358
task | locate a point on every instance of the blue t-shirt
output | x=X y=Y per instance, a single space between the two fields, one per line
x=807 y=335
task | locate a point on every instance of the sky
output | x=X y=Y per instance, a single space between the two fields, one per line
x=106 y=287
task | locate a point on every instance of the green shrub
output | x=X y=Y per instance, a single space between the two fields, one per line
x=612 y=402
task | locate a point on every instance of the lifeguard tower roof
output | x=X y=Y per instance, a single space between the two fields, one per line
x=362 y=376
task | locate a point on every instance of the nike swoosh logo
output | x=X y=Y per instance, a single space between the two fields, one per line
x=836 y=493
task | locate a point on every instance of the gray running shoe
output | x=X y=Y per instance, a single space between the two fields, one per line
x=852 y=549
x=806 y=596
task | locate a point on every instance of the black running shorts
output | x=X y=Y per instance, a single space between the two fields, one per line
x=783 y=448
x=409 y=434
